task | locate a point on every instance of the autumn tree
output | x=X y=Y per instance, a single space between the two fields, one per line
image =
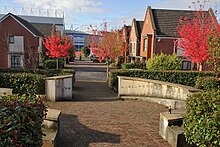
x=108 y=45
x=57 y=46
x=194 y=34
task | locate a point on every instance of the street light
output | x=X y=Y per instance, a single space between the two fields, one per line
x=78 y=43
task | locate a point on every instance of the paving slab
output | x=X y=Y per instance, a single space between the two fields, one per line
x=97 y=118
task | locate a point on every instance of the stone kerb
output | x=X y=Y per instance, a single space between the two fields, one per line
x=168 y=94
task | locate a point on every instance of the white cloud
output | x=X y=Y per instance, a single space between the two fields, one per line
x=66 y=5
x=185 y=4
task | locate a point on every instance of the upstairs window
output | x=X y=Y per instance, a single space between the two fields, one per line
x=11 y=39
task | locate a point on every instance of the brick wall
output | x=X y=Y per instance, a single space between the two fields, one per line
x=9 y=26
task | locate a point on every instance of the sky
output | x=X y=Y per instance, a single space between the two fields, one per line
x=79 y=14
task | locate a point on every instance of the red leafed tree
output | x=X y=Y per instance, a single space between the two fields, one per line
x=194 y=33
x=57 y=46
x=106 y=44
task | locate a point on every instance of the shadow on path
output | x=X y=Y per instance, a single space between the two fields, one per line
x=75 y=134
x=93 y=91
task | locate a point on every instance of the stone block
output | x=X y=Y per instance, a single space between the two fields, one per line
x=173 y=134
x=52 y=119
x=167 y=119
x=51 y=138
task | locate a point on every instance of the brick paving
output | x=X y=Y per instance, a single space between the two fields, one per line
x=97 y=118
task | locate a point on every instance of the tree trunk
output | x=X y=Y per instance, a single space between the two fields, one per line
x=57 y=64
x=200 y=66
x=217 y=75
x=107 y=69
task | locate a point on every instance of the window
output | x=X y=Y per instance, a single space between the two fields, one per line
x=11 y=39
x=145 y=44
x=186 y=65
x=15 y=61
x=130 y=48
x=134 y=47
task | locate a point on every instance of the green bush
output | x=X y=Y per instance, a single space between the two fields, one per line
x=180 y=77
x=29 y=81
x=208 y=83
x=201 y=122
x=128 y=66
x=20 y=121
x=164 y=62
x=86 y=51
x=133 y=66
x=52 y=64
x=23 y=83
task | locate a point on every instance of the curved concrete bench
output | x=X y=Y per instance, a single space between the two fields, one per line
x=168 y=94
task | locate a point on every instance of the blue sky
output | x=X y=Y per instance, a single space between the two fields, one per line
x=81 y=13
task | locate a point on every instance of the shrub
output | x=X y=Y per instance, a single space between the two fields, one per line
x=128 y=66
x=20 y=120
x=119 y=62
x=164 y=62
x=134 y=65
x=52 y=64
x=208 y=83
x=23 y=83
x=202 y=120
x=29 y=81
x=86 y=51
x=180 y=77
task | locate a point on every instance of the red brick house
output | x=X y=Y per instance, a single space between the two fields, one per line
x=125 y=30
x=158 y=33
x=19 y=43
x=135 y=40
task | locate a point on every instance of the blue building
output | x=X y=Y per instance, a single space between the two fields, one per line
x=79 y=38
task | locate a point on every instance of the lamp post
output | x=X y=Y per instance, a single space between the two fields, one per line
x=78 y=42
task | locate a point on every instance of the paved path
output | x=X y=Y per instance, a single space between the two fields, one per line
x=97 y=118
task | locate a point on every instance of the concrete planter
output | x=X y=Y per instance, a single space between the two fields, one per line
x=59 y=88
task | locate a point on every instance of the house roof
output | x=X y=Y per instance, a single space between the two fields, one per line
x=45 y=29
x=166 y=21
x=24 y=23
x=139 y=25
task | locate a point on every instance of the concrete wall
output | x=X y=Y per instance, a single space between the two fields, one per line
x=158 y=91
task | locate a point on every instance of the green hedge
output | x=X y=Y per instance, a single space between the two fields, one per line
x=133 y=66
x=208 y=83
x=20 y=121
x=180 y=77
x=48 y=72
x=29 y=81
x=52 y=64
x=23 y=83
x=201 y=122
